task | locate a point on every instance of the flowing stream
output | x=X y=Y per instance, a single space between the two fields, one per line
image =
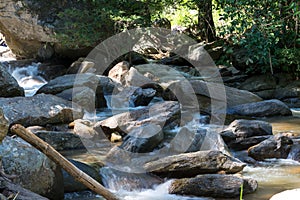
x=273 y=175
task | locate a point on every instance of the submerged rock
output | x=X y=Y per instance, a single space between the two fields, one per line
x=9 y=87
x=277 y=146
x=33 y=170
x=40 y=109
x=213 y=185
x=261 y=109
x=192 y=164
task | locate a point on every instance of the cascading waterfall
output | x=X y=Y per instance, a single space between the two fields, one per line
x=28 y=78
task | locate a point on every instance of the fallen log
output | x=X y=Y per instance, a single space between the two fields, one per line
x=49 y=151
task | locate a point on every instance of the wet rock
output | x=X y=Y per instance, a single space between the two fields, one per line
x=242 y=134
x=61 y=140
x=71 y=185
x=132 y=97
x=3 y=125
x=8 y=85
x=213 y=185
x=287 y=194
x=295 y=152
x=33 y=170
x=259 y=83
x=277 y=146
x=143 y=139
x=40 y=109
x=192 y=164
x=265 y=108
x=51 y=71
x=109 y=86
x=161 y=114
x=117 y=73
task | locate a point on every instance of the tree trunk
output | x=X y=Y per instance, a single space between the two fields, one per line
x=205 y=20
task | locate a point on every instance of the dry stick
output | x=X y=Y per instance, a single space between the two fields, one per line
x=62 y=161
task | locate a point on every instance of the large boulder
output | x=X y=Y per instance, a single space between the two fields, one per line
x=31 y=168
x=81 y=88
x=277 y=146
x=289 y=91
x=3 y=125
x=210 y=95
x=160 y=114
x=259 y=83
x=40 y=109
x=213 y=185
x=242 y=134
x=265 y=108
x=8 y=85
x=192 y=164
x=31 y=28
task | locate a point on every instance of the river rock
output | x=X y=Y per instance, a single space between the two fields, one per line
x=71 y=185
x=287 y=194
x=61 y=140
x=295 y=152
x=265 y=108
x=68 y=81
x=277 y=146
x=9 y=87
x=289 y=91
x=3 y=125
x=132 y=97
x=40 y=109
x=143 y=139
x=51 y=71
x=117 y=73
x=161 y=114
x=213 y=185
x=192 y=164
x=70 y=87
x=33 y=170
x=242 y=134
x=134 y=78
x=259 y=83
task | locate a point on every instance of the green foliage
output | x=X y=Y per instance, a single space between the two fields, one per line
x=267 y=29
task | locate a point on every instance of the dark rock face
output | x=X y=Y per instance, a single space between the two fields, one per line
x=261 y=109
x=192 y=164
x=34 y=170
x=242 y=134
x=295 y=152
x=213 y=185
x=277 y=146
x=71 y=185
x=40 y=109
x=8 y=85
x=61 y=140
x=259 y=83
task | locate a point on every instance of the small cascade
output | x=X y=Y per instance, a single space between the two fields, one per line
x=28 y=78
x=121 y=181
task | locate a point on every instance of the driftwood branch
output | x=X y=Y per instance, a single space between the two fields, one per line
x=62 y=161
